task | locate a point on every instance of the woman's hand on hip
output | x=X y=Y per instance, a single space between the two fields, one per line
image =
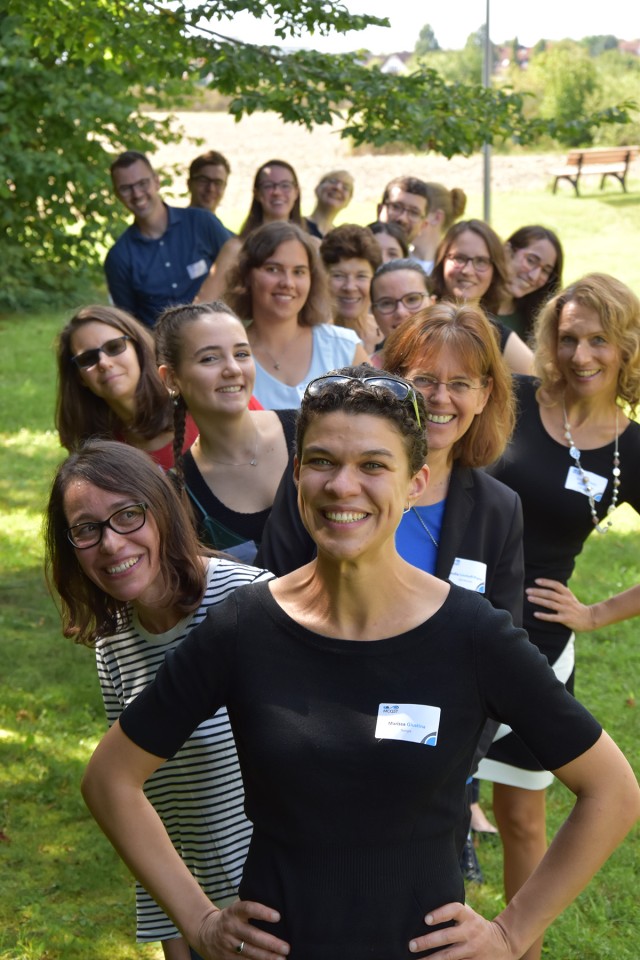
x=227 y=934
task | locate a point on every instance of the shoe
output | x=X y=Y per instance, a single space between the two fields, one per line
x=469 y=865
x=480 y=824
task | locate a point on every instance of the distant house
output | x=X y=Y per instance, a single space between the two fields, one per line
x=395 y=63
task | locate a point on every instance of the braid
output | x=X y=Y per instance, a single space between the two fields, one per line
x=179 y=427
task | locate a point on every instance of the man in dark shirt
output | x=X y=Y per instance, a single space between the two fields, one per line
x=166 y=254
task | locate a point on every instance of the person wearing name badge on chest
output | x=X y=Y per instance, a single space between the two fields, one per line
x=355 y=753
x=574 y=457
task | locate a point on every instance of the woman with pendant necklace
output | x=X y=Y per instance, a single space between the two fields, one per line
x=232 y=471
x=575 y=456
x=279 y=290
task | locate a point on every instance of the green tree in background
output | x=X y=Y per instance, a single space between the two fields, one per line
x=569 y=81
x=75 y=73
x=426 y=42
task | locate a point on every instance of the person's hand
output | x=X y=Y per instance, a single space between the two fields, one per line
x=562 y=606
x=227 y=934
x=470 y=938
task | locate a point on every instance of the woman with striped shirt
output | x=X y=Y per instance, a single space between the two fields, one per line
x=123 y=557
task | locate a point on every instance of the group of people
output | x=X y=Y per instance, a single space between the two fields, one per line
x=338 y=536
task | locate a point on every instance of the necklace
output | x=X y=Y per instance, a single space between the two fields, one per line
x=276 y=363
x=575 y=454
x=226 y=463
x=426 y=529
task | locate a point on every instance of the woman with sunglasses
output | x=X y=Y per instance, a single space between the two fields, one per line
x=470 y=266
x=275 y=199
x=355 y=734
x=109 y=386
x=232 y=471
x=535 y=260
x=124 y=560
x=279 y=289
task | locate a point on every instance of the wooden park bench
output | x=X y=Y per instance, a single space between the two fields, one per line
x=600 y=161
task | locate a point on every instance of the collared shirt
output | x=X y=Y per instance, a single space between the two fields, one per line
x=146 y=275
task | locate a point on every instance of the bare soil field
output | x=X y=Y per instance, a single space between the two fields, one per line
x=264 y=136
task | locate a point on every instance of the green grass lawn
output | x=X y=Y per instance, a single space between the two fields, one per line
x=65 y=895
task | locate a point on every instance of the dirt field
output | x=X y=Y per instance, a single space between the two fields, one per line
x=263 y=136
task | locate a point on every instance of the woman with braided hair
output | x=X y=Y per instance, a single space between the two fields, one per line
x=232 y=471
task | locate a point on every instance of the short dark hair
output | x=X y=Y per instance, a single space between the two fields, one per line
x=88 y=613
x=258 y=247
x=347 y=242
x=407 y=185
x=127 y=159
x=354 y=397
x=211 y=157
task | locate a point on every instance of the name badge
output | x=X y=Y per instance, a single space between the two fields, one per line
x=413 y=722
x=575 y=482
x=470 y=574
x=197 y=269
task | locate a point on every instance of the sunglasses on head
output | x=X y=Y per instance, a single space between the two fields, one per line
x=400 y=389
x=111 y=348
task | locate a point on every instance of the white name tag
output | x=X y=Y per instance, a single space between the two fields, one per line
x=197 y=269
x=575 y=482
x=470 y=574
x=415 y=722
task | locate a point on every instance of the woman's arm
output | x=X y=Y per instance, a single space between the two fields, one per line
x=607 y=806
x=112 y=789
x=562 y=606
x=517 y=355
x=360 y=356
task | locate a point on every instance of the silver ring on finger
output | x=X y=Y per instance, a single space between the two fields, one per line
x=240 y=947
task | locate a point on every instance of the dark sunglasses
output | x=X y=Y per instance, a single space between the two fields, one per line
x=110 y=349
x=400 y=389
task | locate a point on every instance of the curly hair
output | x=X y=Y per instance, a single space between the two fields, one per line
x=354 y=397
x=80 y=414
x=88 y=613
x=256 y=249
x=619 y=311
x=495 y=294
x=350 y=242
x=465 y=329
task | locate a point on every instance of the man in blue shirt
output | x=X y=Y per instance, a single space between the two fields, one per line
x=166 y=254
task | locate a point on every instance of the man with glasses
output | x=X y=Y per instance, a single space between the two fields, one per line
x=405 y=202
x=166 y=254
x=208 y=175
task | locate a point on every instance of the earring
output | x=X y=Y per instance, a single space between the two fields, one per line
x=175 y=396
x=406 y=509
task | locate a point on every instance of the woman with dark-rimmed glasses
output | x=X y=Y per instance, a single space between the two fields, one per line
x=132 y=581
x=357 y=688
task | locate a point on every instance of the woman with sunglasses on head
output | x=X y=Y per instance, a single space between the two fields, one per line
x=470 y=266
x=125 y=562
x=279 y=289
x=108 y=385
x=574 y=456
x=535 y=260
x=355 y=751
x=232 y=471
x=276 y=198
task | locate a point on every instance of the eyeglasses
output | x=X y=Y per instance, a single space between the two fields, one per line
x=534 y=262
x=112 y=348
x=400 y=389
x=126 y=189
x=397 y=209
x=479 y=264
x=204 y=181
x=412 y=301
x=126 y=520
x=455 y=388
x=336 y=182
x=286 y=186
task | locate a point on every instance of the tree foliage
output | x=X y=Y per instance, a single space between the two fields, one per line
x=426 y=42
x=74 y=73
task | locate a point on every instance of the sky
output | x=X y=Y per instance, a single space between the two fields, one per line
x=452 y=24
